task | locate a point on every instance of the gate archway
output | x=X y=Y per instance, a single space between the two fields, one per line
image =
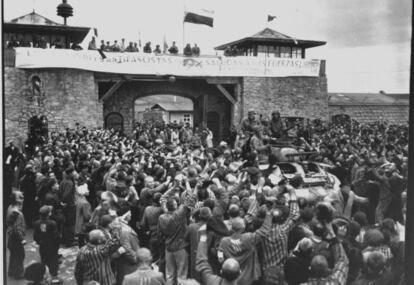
x=205 y=97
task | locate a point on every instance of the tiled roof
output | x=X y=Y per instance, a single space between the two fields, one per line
x=368 y=99
x=34 y=19
x=394 y=114
x=269 y=36
x=174 y=107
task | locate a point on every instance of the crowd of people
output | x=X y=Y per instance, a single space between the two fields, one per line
x=135 y=47
x=42 y=42
x=165 y=206
x=106 y=46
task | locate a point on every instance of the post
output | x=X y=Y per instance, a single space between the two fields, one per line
x=182 y=46
x=205 y=98
x=184 y=11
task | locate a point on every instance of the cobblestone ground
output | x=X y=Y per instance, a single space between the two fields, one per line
x=66 y=268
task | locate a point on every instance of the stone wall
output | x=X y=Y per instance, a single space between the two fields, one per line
x=291 y=96
x=395 y=114
x=66 y=97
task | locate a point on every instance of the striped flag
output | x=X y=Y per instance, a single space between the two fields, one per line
x=197 y=15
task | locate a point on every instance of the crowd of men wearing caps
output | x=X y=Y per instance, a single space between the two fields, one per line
x=165 y=207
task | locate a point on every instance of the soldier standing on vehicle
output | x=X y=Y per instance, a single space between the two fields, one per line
x=250 y=122
x=277 y=125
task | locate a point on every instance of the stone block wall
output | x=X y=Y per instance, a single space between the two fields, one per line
x=395 y=114
x=66 y=97
x=291 y=96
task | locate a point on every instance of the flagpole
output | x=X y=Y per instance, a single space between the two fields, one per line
x=184 y=10
x=183 y=35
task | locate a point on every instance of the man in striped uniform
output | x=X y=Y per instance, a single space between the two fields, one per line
x=274 y=245
x=93 y=262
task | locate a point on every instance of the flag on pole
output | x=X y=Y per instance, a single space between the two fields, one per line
x=197 y=15
x=270 y=18
x=139 y=39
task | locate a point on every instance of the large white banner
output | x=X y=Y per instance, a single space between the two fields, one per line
x=141 y=63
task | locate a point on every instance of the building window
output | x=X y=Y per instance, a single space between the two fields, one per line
x=187 y=118
x=268 y=51
x=276 y=51
x=285 y=52
x=297 y=52
x=249 y=52
x=262 y=51
x=36 y=85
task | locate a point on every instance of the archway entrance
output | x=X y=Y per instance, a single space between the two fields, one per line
x=194 y=99
x=114 y=121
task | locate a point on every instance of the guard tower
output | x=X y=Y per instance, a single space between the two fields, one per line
x=31 y=29
x=270 y=43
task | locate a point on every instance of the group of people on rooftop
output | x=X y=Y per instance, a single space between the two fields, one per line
x=121 y=46
x=116 y=46
x=134 y=47
x=41 y=42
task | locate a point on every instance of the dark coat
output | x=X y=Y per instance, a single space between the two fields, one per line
x=297 y=264
x=46 y=235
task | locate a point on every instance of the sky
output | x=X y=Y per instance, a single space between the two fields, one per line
x=368 y=42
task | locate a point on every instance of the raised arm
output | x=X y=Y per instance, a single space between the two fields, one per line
x=293 y=211
x=360 y=199
x=161 y=187
x=340 y=270
x=202 y=264
x=164 y=198
x=263 y=231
